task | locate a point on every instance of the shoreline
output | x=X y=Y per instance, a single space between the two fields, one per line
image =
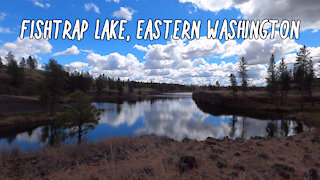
x=255 y=106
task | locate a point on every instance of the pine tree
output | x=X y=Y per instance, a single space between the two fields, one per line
x=309 y=79
x=55 y=82
x=272 y=79
x=100 y=84
x=243 y=73
x=217 y=84
x=284 y=77
x=1 y=63
x=234 y=85
x=81 y=116
x=32 y=63
x=22 y=63
x=13 y=69
x=301 y=71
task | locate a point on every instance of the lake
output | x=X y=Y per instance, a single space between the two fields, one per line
x=174 y=115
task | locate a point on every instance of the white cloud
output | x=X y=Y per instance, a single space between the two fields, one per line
x=210 y=5
x=307 y=11
x=27 y=46
x=113 y=61
x=5 y=30
x=2 y=16
x=91 y=6
x=41 y=4
x=259 y=51
x=140 y=48
x=125 y=13
x=73 y=50
x=77 y=66
x=116 y=1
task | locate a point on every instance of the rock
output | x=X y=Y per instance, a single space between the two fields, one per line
x=148 y=170
x=226 y=138
x=34 y=161
x=258 y=138
x=312 y=174
x=213 y=157
x=187 y=163
x=237 y=154
x=315 y=140
x=283 y=170
x=44 y=172
x=259 y=144
x=239 y=167
x=233 y=175
x=210 y=141
x=221 y=164
x=186 y=140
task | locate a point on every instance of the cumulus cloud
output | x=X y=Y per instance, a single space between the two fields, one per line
x=41 y=4
x=77 y=66
x=73 y=50
x=307 y=11
x=113 y=61
x=125 y=13
x=91 y=6
x=140 y=48
x=259 y=51
x=25 y=47
x=187 y=62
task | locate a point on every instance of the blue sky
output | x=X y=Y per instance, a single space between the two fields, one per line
x=200 y=61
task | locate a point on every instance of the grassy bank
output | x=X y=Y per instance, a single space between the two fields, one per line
x=257 y=104
x=153 y=157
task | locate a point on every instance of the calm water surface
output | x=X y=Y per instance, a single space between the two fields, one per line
x=174 y=115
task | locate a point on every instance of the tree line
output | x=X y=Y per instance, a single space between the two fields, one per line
x=280 y=79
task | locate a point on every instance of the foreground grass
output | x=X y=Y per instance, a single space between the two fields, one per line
x=154 y=157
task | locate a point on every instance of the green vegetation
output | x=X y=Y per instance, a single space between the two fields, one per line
x=243 y=69
x=16 y=74
x=54 y=84
x=80 y=116
x=234 y=85
x=272 y=79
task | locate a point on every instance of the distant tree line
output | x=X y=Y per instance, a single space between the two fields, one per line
x=280 y=79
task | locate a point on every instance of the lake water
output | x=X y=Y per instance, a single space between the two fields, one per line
x=173 y=115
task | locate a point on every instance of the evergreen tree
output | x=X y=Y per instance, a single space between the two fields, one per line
x=120 y=87
x=55 y=82
x=301 y=72
x=81 y=116
x=234 y=85
x=284 y=77
x=13 y=69
x=272 y=79
x=32 y=63
x=100 y=84
x=22 y=63
x=217 y=84
x=310 y=79
x=1 y=63
x=243 y=73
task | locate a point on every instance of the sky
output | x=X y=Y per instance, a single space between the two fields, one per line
x=198 y=61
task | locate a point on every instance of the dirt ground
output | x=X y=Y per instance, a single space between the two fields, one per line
x=154 y=157
x=12 y=105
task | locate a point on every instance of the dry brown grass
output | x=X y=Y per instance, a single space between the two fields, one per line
x=153 y=157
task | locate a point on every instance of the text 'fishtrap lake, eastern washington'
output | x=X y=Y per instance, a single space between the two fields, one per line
x=174 y=115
